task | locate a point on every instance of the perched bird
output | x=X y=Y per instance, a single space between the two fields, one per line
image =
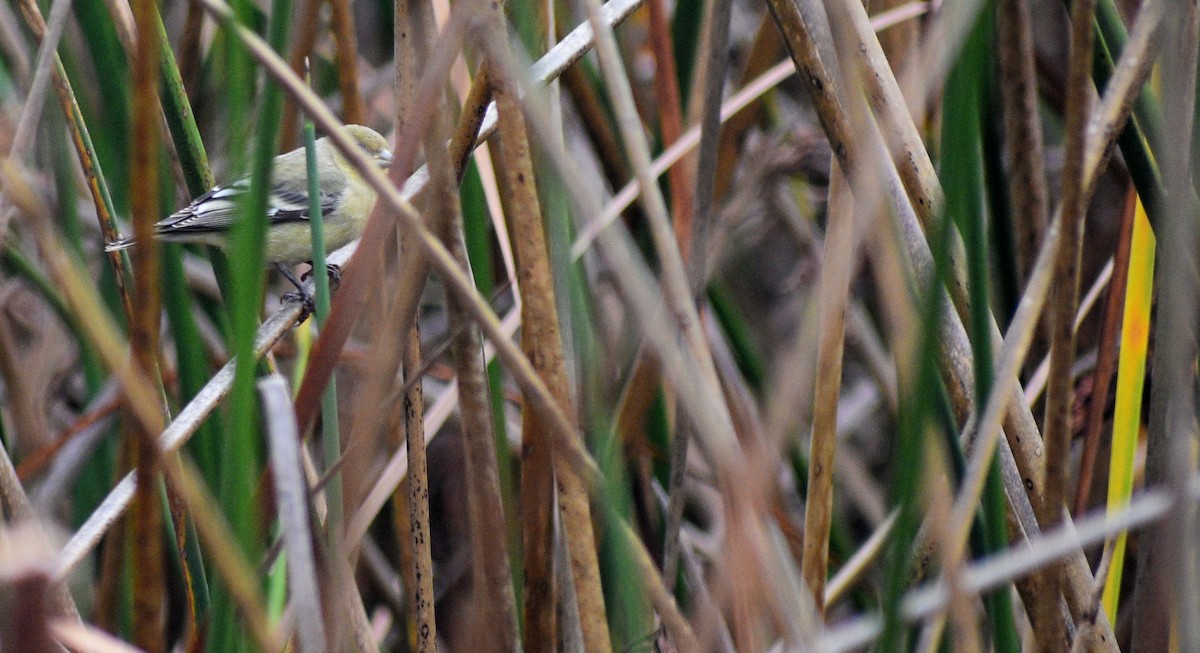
x=346 y=202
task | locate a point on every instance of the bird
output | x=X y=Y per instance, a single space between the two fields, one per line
x=346 y=200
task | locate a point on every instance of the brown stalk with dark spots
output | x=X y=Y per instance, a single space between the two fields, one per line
x=1052 y=633
x=413 y=38
x=542 y=471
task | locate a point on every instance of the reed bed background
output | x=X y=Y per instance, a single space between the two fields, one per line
x=651 y=343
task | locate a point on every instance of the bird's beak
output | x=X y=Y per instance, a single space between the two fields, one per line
x=385 y=158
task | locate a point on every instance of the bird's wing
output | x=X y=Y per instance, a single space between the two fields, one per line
x=212 y=211
x=217 y=210
x=288 y=205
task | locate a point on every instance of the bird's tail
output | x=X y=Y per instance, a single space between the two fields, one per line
x=118 y=245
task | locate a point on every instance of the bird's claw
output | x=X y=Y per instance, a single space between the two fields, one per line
x=335 y=275
x=307 y=305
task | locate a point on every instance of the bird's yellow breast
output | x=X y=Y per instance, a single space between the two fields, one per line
x=291 y=242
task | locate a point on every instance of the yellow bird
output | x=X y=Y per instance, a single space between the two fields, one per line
x=346 y=201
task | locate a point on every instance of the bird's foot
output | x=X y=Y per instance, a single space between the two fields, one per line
x=307 y=305
x=335 y=274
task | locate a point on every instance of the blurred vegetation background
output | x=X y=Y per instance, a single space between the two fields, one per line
x=651 y=343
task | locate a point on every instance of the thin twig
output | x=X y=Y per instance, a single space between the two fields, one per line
x=695 y=248
x=12 y=43
x=694 y=244
x=854 y=568
x=837 y=261
x=1051 y=630
x=31 y=112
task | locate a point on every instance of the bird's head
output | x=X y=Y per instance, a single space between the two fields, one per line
x=373 y=143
